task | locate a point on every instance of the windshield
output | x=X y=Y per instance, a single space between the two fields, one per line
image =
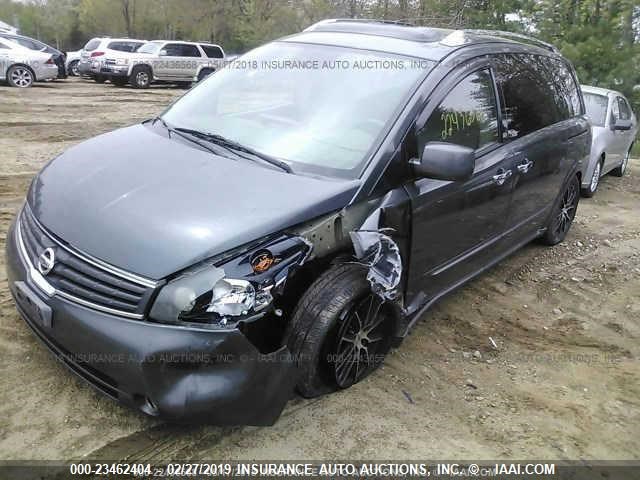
x=596 y=106
x=149 y=47
x=319 y=108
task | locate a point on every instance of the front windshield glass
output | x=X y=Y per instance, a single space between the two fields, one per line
x=149 y=47
x=319 y=108
x=596 y=106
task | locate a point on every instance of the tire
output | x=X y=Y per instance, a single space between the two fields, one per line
x=622 y=168
x=119 y=82
x=140 y=77
x=322 y=332
x=73 y=69
x=563 y=213
x=99 y=78
x=204 y=73
x=20 y=76
x=590 y=191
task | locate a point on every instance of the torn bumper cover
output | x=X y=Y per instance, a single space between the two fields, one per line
x=177 y=373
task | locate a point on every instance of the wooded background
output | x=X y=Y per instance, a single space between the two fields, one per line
x=600 y=37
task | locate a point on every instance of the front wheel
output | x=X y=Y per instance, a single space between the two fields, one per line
x=73 y=69
x=340 y=331
x=590 y=191
x=140 y=77
x=563 y=213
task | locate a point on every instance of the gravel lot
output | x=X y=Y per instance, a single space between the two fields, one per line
x=563 y=382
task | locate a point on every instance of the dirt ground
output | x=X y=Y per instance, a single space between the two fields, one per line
x=561 y=382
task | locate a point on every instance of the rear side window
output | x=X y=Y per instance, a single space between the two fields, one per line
x=568 y=94
x=212 y=51
x=596 y=106
x=30 y=44
x=529 y=97
x=124 y=46
x=92 y=44
x=181 y=50
x=467 y=116
x=623 y=108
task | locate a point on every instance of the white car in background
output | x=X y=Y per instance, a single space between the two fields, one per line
x=97 y=49
x=20 y=66
x=614 y=127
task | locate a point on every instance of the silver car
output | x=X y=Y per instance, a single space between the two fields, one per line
x=614 y=128
x=20 y=66
x=164 y=61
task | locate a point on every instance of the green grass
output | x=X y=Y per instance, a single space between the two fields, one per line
x=635 y=151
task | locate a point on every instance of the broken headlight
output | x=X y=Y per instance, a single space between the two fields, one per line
x=207 y=296
x=243 y=287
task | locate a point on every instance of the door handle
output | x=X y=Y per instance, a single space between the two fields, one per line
x=525 y=166
x=502 y=177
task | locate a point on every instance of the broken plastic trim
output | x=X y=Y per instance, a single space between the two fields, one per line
x=382 y=257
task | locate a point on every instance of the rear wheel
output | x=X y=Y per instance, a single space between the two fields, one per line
x=340 y=331
x=620 y=171
x=563 y=213
x=595 y=180
x=20 y=76
x=140 y=77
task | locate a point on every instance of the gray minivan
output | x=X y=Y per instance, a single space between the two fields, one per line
x=286 y=222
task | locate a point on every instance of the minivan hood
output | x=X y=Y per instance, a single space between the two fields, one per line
x=153 y=205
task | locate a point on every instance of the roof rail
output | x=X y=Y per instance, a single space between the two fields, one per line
x=515 y=36
x=357 y=20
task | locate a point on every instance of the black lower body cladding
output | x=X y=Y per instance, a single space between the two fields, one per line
x=175 y=373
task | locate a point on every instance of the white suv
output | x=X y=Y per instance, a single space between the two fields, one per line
x=20 y=66
x=164 y=61
x=97 y=49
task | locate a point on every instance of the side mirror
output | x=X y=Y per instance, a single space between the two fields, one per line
x=163 y=53
x=622 y=124
x=445 y=161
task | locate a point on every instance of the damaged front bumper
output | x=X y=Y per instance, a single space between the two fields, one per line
x=176 y=373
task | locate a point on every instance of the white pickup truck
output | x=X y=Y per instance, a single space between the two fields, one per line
x=166 y=61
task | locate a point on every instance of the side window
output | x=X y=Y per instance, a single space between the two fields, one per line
x=212 y=51
x=528 y=96
x=173 y=49
x=625 y=112
x=467 y=116
x=190 y=51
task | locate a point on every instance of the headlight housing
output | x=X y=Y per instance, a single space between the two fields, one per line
x=122 y=61
x=238 y=289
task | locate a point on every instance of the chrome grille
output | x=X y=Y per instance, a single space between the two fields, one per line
x=78 y=278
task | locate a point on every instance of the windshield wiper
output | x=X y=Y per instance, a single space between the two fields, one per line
x=235 y=146
x=186 y=137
